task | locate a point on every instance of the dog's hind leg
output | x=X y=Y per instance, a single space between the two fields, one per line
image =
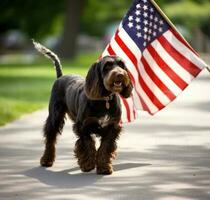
x=53 y=126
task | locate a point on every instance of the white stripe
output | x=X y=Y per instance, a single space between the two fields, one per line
x=152 y=86
x=178 y=69
x=124 y=112
x=130 y=105
x=161 y=74
x=184 y=50
x=130 y=43
x=105 y=53
x=134 y=107
x=132 y=69
x=138 y=105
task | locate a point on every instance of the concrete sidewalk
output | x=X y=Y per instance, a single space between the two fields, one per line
x=165 y=157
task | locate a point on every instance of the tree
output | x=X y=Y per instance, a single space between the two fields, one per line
x=67 y=46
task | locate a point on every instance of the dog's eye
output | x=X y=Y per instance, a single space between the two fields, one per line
x=108 y=66
x=121 y=64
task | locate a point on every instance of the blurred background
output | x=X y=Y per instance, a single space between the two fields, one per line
x=78 y=31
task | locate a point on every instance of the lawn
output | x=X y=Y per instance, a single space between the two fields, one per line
x=25 y=88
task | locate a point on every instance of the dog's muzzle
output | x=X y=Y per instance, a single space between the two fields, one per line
x=116 y=80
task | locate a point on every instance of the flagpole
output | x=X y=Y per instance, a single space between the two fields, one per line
x=171 y=24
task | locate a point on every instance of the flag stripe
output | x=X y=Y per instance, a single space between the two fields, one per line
x=150 y=94
x=157 y=81
x=180 y=38
x=127 y=51
x=161 y=74
x=144 y=86
x=163 y=99
x=170 y=73
x=127 y=109
x=110 y=50
x=130 y=43
x=184 y=50
x=182 y=60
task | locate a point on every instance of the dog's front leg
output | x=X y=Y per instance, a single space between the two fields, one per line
x=107 y=149
x=85 y=150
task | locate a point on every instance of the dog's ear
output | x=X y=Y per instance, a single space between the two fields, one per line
x=127 y=90
x=93 y=83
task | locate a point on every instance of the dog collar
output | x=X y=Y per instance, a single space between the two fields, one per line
x=107 y=99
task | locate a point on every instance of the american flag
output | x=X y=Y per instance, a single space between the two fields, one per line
x=161 y=63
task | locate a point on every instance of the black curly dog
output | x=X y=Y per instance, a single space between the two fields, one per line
x=94 y=106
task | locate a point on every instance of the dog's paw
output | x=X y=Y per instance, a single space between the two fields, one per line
x=87 y=166
x=46 y=162
x=105 y=170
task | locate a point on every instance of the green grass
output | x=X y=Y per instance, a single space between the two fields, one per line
x=25 y=88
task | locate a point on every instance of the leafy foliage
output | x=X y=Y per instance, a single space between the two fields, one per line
x=40 y=18
x=35 y=18
x=192 y=14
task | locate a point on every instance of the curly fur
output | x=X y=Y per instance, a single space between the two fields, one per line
x=85 y=101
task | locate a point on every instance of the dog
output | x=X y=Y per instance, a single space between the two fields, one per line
x=93 y=104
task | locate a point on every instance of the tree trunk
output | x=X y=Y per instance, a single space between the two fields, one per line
x=67 y=47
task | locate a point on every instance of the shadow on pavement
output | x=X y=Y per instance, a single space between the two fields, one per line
x=72 y=178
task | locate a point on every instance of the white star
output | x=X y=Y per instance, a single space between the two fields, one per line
x=150 y=31
x=145 y=7
x=145 y=22
x=150 y=24
x=154 y=34
x=145 y=1
x=161 y=22
x=151 y=17
x=149 y=38
x=130 y=18
x=138 y=19
x=138 y=6
x=156 y=19
x=130 y=24
x=145 y=37
x=138 y=27
x=138 y=34
x=145 y=14
x=155 y=26
x=160 y=29
x=151 y=9
x=145 y=44
x=145 y=29
x=138 y=12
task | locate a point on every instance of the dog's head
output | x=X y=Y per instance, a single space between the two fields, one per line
x=107 y=76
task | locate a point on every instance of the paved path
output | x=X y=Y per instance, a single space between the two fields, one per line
x=165 y=157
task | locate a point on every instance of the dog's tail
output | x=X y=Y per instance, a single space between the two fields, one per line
x=49 y=54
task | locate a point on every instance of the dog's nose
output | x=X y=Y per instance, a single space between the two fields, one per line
x=120 y=76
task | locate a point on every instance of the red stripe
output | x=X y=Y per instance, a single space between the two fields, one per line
x=157 y=81
x=127 y=51
x=170 y=73
x=127 y=109
x=145 y=107
x=110 y=50
x=181 y=39
x=150 y=94
x=134 y=111
x=183 y=61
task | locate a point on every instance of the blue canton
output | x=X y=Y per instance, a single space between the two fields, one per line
x=143 y=23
